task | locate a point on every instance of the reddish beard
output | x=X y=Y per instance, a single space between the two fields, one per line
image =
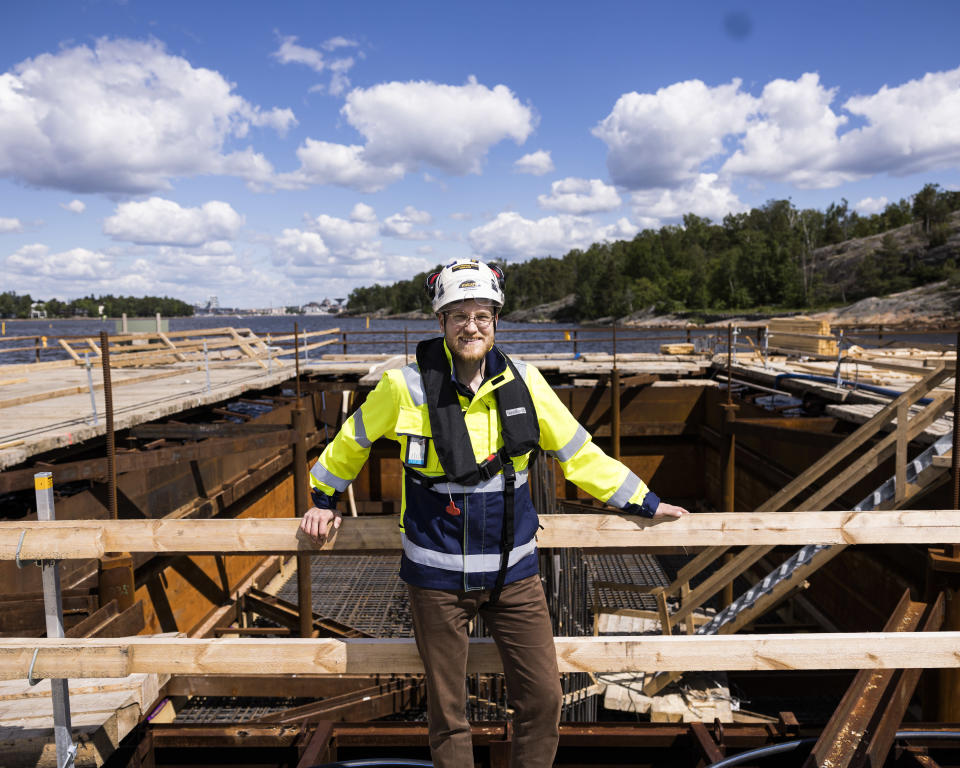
x=475 y=351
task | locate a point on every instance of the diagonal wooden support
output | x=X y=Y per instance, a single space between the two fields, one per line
x=857 y=439
x=907 y=429
x=861 y=730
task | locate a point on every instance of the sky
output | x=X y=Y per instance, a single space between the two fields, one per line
x=272 y=154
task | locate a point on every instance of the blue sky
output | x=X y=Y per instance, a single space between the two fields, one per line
x=276 y=153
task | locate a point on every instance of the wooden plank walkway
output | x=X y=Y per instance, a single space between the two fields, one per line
x=49 y=408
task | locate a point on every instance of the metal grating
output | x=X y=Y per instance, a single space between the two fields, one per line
x=214 y=710
x=363 y=592
x=638 y=569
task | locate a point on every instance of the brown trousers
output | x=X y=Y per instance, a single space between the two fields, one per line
x=520 y=625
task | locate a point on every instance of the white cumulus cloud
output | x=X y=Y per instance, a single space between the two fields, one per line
x=74 y=206
x=403 y=224
x=536 y=163
x=910 y=128
x=353 y=239
x=160 y=221
x=793 y=136
x=707 y=197
x=450 y=127
x=660 y=140
x=510 y=235
x=572 y=195
x=121 y=117
x=795 y=133
x=409 y=125
x=74 y=264
x=363 y=212
x=10 y=225
x=322 y=162
x=870 y=205
x=299 y=248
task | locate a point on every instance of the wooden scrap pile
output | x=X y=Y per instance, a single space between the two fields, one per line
x=802 y=334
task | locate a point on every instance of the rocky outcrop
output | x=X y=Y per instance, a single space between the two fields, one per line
x=929 y=305
x=551 y=312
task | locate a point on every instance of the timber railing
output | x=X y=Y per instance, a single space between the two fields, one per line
x=822 y=483
x=80 y=539
x=159 y=348
x=70 y=657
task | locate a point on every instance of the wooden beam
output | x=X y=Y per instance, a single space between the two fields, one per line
x=105 y=657
x=73 y=539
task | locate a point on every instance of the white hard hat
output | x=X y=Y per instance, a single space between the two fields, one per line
x=465 y=279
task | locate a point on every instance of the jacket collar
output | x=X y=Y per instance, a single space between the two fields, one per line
x=495 y=363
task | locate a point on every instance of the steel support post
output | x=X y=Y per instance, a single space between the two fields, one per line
x=954 y=549
x=728 y=458
x=53 y=612
x=116 y=568
x=615 y=413
x=615 y=399
x=108 y=407
x=93 y=399
x=301 y=500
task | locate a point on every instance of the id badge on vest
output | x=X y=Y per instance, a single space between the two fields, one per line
x=416 y=451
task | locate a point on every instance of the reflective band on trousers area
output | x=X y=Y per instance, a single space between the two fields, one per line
x=464 y=563
x=495 y=483
x=411 y=375
x=323 y=475
x=360 y=431
x=575 y=443
x=622 y=495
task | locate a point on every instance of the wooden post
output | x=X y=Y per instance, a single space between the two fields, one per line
x=343 y=336
x=301 y=501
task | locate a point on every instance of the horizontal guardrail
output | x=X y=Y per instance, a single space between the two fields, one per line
x=79 y=539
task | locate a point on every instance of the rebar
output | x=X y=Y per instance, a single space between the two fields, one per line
x=111 y=440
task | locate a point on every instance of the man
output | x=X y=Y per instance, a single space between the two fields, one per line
x=469 y=421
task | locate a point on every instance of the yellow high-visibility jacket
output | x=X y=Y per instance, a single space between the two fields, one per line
x=457 y=545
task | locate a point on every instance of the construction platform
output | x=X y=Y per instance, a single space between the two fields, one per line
x=215 y=434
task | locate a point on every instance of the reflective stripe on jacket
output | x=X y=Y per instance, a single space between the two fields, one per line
x=446 y=550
